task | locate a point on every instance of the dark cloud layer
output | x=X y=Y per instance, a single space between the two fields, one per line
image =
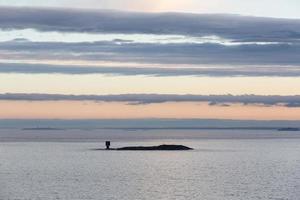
x=278 y=58
x=286 y=71
x=252 y=54
x=223 y=100
x=71 y=20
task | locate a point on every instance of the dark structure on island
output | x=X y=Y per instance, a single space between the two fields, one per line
x=107 y=144
x=163 y=147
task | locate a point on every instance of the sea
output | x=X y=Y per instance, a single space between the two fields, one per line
x=224 y=165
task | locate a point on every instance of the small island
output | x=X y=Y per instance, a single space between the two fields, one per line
x=164 y=147
x=289 y=129
x=42 y=129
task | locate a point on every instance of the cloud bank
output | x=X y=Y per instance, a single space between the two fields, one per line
x=135 y=99
x=251 y=46
x=257 y=46
x=273 y=54
x=104 y=21
x=249 y=71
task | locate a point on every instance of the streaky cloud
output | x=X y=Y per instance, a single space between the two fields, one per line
x=108 y=21
x=136 y=99
x=187 y=53
x=271 y=43
x=222 y=71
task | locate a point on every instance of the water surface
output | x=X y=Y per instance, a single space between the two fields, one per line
x=220 y=168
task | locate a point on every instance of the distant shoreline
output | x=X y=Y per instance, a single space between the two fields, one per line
x=147 y=124
x=42 y=129
x=166 y=128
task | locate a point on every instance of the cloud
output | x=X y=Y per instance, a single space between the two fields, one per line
x=186 y=53
x=263 y=46
x=135 y=99
x=285 y=71
x=104 y=21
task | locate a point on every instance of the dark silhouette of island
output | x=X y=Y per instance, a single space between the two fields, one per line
x=42 y=129
x=289 y=129
x=163 y=147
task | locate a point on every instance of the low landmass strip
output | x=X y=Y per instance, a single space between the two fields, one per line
x=163 y=147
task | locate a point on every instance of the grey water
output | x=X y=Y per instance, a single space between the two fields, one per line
x=225 y=165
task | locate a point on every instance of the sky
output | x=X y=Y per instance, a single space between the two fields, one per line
x=168 y=59
x=267 y=8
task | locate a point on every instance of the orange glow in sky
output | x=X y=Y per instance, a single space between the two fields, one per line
x=115 y=110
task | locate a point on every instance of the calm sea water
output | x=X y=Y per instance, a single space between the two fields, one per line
x=229 y=165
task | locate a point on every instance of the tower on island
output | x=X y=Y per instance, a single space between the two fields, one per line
x=107 y=144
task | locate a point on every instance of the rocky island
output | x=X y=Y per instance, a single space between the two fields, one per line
x=164 y=147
